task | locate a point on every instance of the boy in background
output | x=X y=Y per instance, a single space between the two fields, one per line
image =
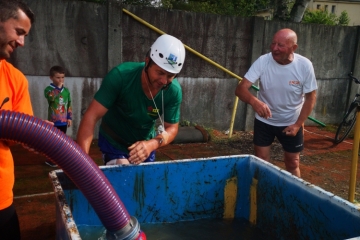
x=58 y=97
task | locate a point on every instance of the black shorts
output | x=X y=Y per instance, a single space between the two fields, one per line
x=264 y=135
x=62 y=128
x=9 y=224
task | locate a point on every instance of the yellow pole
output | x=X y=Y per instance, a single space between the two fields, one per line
x=355 y=157
x=233 y=114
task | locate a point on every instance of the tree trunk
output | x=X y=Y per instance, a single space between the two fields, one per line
x=298 y=10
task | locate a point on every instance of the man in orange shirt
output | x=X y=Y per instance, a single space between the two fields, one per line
x=15 y=23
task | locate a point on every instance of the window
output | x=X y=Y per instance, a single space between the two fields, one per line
x=333 y=9
x=318 y=6
x=326 y=7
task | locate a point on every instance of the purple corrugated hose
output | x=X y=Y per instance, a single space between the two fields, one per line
x=76 y=164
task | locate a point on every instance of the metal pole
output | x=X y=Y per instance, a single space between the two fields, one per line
x=355 y=156
x=233 y=117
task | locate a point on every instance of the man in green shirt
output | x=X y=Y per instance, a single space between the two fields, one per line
x=132 y=96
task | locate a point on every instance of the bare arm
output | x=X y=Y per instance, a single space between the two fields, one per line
x=243 y=93
x=309 y=103
x=87 y=125
x=141 y=150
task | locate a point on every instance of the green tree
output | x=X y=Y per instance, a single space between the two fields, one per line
x=321 y=16
x=343 y=18
x=222 y=7
x=280 y=9
x=145 y=3
x=283 y=10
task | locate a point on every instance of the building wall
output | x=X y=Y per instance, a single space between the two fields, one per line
x=351 y=7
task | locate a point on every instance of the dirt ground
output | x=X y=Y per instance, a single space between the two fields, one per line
x=322 y=163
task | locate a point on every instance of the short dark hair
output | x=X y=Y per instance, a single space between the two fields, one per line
x=151 y=62
x=9 y=9
x=56 y=69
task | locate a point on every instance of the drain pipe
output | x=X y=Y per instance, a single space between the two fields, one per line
x=78 y=166
x=188 y=134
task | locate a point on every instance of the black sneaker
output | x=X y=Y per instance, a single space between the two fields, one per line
x=50 y=164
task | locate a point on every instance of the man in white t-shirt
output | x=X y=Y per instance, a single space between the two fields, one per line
x=286 y=98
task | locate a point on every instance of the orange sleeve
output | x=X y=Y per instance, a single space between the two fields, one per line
x=13 y=85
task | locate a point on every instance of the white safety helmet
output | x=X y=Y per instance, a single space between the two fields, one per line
x=168 y=53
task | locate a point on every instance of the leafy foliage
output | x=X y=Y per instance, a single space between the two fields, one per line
x=95 y=1
x=222 y=7
x=280 y=8
x=343 y=18
x=145 y=3
x=321 y=16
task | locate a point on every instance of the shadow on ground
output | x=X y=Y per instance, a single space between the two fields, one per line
x=322 y=163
